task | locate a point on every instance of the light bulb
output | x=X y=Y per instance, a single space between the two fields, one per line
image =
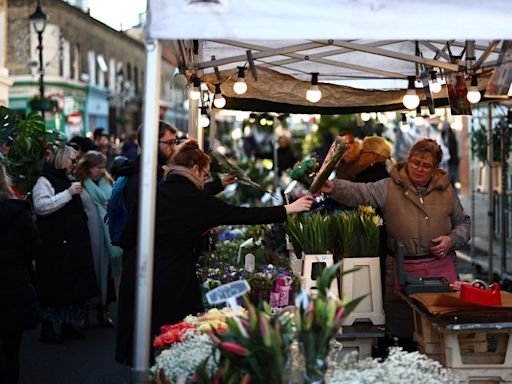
x=405 y=127
x=418 y=121
x=205 y=121
x=240 y=87
x=195 y=91
x=436 y=86
x=313 y=94
x=411 y=99
x=218 y=100
x=365 y=116
x=510 y=90
x=473 y=94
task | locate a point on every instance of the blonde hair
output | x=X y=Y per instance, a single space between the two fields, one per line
x=378 y=145
x=90 y=160
x=5 y=185
x=59 y=159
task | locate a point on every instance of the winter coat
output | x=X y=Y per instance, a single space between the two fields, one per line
x=64 y=269
x=183 y=214
x=19 y=245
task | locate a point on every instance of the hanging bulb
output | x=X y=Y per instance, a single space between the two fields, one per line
x=473 y=94
x=418 y=120
x=411 y=99
x=195 y=92
x=313 y=94
x=365 y=116
x=435 y=85
x=240 y=87
x=404 y=125
x=204 y=120
x=510 y=90
x=218 y=100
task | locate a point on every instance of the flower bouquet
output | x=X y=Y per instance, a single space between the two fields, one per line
x=334 y=155
x=221 y=164
x=304 y=172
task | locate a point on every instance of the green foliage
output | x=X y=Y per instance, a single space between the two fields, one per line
x=311 y=233
x=32 y=143
x=479 y=143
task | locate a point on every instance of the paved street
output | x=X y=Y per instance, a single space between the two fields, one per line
x=89 y=361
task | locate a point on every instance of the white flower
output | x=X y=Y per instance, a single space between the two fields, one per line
x=182 y=359
x=399 y=368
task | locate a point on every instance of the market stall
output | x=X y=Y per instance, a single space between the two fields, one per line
x=267 y=38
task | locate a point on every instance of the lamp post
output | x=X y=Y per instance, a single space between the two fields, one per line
x=39 y=19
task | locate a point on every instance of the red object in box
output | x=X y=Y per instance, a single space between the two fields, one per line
x=471 y=294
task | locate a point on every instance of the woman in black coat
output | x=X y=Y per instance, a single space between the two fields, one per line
x=184 y=211
x=19 y=245
x=65 y=277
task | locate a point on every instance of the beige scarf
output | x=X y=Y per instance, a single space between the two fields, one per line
x=185 y=172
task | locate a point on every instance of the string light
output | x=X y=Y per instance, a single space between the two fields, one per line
x=313 y=94
x=404 y=125
x=195 y=92
x=418 y=120
x=240 y=87
x=435 y=85
x=411 y=99
x=473 y=94
x=218 y=100
x=204 y=120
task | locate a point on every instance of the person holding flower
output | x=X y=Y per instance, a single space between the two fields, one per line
x=422 y=210
x=184 y=211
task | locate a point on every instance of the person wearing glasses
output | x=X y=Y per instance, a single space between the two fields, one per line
x=64 y=275
x=184 y=211
x=422 y=210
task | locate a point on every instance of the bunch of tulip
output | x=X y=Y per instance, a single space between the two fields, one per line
x=318 y=320
x=253 y=350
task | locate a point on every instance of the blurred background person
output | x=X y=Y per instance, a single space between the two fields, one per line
x=105 y=147
x=285 y=157
x=348 y=167
x=97 y=189
x=18 y=301
x=82 y=145
x=450 y=141
x=130 y=147
x=374 y=160
x=64 y=277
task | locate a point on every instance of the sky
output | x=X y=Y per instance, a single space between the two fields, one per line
x=118 y=14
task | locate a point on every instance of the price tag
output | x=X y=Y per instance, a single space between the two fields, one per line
x=228 y=291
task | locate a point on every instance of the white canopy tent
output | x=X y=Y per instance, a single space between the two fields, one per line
x=274 y=33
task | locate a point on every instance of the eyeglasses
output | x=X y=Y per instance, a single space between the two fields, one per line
x=415 y=164
x=207 y=175
x=168 y=142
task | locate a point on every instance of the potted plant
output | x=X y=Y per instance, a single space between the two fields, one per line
x=31 y=144
x=38 y=103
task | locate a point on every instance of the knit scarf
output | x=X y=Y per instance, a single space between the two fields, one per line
x=100 y=194
x=186 y=172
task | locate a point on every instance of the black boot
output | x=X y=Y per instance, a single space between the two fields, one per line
x=104 y=318
x=48 y=334
x=68 y=331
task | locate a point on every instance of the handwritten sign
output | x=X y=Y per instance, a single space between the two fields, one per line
x=227 y=292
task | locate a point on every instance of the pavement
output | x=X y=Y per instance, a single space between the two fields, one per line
x=476 y=251
x=88 y=361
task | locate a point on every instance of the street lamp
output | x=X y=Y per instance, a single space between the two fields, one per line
x=39 y=19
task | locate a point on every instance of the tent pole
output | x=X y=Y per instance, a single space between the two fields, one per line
x=490 y=214
x=193 y=118
x=146 y=224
